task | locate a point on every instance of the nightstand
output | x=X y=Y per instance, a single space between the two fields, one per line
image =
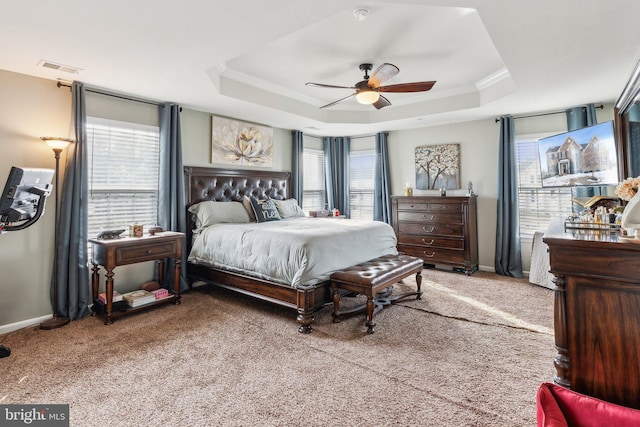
x=131 y=250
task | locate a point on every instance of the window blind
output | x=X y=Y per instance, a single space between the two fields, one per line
x=537 y=206
x=123 y=174
x=314 y=194
x=361 y=185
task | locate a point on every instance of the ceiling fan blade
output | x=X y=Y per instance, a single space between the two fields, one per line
x=339 y=100
x=408 y=87
x=382 y=74
x=381 y=102
x=330 y=86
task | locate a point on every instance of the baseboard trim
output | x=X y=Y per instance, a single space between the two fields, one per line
x=5 y=329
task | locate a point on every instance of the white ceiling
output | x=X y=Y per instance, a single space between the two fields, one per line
x=251 y=59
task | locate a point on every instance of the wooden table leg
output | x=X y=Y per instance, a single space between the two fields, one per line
x=109 y=291
x=95 y=283
x=176 y=278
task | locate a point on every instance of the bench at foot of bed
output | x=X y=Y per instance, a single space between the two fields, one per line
x=372 y=277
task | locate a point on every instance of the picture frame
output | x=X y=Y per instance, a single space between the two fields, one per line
x=437 y=167
x=239 y=143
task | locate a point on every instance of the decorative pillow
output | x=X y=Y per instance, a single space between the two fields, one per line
x=288 y=208
x=265 y=210
x=247 y=205
x=209 y=213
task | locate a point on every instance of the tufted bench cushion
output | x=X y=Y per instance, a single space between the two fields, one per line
x=373 y=276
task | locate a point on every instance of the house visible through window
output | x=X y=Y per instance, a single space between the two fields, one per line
x=537 y=206
x=123 y=170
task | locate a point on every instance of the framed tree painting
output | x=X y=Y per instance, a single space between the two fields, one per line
x=438 y=166
x=240 y=143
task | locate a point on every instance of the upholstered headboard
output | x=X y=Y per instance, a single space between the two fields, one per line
x=224 y=185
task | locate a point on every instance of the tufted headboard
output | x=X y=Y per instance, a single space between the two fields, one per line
x=224 y=185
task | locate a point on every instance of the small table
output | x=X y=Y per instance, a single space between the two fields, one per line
x=131 y=250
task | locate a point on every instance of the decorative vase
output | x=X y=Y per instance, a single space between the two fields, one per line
x=631 y=215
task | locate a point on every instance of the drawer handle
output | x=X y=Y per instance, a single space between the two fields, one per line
x=428 y=243
x=428 y=219
x=428 y=231
x=149 y=251
x=429 y=256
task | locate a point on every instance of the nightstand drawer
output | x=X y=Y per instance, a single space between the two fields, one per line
x=139 y=253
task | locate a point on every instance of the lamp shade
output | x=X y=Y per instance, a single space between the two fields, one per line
x=367 y=96
x=57 y=143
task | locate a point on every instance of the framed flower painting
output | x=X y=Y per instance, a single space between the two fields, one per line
x=240 y=143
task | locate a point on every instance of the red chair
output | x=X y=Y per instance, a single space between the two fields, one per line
x=560 y=407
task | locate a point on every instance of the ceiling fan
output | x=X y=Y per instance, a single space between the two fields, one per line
x=367 y=91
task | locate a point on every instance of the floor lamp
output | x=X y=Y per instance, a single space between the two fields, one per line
x=57 y=145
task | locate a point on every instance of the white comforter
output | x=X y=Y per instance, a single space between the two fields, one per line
x=295 y=251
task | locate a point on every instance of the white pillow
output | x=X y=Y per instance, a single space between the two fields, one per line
x=288 y=208
x=209 y=213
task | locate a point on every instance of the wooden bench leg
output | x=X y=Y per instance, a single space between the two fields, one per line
x=336 y=303
x=419 y=283
x=370 y=323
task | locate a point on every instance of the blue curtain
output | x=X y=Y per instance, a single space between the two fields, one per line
x=73 y=271
x=508 y=261
x=581 y=116
x=171 y=199
x=382 y=185
x=336 y=152
x=297 y=185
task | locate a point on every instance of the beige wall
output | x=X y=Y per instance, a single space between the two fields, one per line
x=196 y=142
x=29 y=108
x=478 y=163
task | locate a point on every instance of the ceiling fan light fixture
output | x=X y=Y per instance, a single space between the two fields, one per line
x=367 y=96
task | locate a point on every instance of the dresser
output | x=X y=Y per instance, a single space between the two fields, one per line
x=597 y=313
x=443 y=231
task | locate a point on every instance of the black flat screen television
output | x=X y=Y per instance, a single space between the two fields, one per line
x=581 y=157
x=23 y=192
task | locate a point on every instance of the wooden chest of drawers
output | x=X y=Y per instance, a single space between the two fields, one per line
x=440 y=230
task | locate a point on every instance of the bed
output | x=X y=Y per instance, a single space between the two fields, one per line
x=288 y=261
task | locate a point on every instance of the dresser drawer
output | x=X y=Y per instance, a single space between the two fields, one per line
x=434 y=255
x=430 y=229
x=410 y=206
x=141 y=253
x=428 y=217
x=430 y=241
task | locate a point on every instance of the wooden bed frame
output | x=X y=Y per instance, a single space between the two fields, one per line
x=231 y=185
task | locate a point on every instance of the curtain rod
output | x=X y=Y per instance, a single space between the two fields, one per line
x=127 y=98
x=601 y=106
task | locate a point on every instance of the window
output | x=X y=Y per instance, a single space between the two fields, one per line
x=314 y=196
x=123 y=174
x=362 y=178
x=537 y=206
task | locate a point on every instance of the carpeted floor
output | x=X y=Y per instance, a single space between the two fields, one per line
x=472 y=352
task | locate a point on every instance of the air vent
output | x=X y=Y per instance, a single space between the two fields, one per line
x=59 y=67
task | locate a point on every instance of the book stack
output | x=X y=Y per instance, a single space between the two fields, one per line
x=138 y=298
x=160 y=293
x=116 y=297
